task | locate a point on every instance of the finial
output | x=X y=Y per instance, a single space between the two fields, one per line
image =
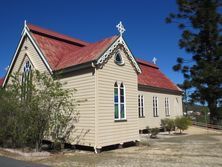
x=120 y=28
x=25 y=23
x=154 y=60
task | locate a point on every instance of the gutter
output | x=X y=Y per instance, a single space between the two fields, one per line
x=67 y=70
x=158 y=90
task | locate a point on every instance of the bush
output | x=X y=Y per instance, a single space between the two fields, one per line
x=168 y=124
x=36 y=108
x=154 y=132
x=148 y=129
x=182 y=123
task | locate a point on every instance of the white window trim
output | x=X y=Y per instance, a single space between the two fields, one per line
x=156 y=106
x=119 y=103
x=141 y=114
x=167 y=107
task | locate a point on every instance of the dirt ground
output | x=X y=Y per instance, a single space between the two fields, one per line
x=197 y=148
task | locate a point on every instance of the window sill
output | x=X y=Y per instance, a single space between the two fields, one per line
x=142 y=117
x=120 y=120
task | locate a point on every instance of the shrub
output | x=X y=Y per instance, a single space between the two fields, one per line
x=182 y=123
x=35 y=108
x=154 y=132
x=148 y=129
x=168 y=124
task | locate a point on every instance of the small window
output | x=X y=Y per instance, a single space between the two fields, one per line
x=26 y=72
x=141 y=106
x=155 y=106
x=167 y=107
x=116 y=101
x=118 y=59
x=119 y=102
x=27 y=67
x=26 y=79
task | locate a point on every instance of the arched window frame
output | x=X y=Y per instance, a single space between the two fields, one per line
x=26 y=78
x=26 y=71
x=119 y=114
x=121 y=57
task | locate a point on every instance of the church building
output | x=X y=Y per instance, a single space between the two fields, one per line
x=124 y=94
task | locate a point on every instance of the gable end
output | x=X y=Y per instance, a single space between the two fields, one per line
x=25 y=33
x=119 y=43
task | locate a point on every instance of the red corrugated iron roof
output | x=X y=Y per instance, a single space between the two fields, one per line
x=40 y=30
x=1 y=82
x=86 y=54
x=153 y=77
x=62 y=51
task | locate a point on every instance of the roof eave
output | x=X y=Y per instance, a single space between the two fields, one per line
x=89 y=64
x=159 y=90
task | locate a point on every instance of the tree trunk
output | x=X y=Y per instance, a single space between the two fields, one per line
x=212 y=105
x=37 y=146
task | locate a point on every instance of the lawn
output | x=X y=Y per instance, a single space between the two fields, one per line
x=198 y=148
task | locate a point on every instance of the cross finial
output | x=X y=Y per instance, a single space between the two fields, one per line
x=120 y=28
x=154 y=60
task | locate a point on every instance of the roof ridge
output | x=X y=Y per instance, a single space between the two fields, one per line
x=58 y=36
x=91 y=45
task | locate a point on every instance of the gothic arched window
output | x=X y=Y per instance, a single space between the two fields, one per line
x=26 y=78
x=119 y=101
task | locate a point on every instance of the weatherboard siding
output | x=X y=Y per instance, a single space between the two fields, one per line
x=27 y=52
x=84 y=82
x=110 y=132
x=149 y=119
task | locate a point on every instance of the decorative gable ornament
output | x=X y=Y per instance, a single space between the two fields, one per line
x=120 y=28
x=119 y=43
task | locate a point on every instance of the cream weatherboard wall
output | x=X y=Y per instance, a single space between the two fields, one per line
x=28 y=52
x=96 y=126
x=175 y=108
x=84 y=82
x=107 y=129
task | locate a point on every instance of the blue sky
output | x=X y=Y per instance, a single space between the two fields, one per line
x=147 y=34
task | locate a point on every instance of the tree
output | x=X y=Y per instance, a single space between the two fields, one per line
x=37 y=108
x=182 y=123
x=185 y=86
x=201 y=24
x=168 y=124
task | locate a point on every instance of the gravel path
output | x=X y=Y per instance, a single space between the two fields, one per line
x=197 y=148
